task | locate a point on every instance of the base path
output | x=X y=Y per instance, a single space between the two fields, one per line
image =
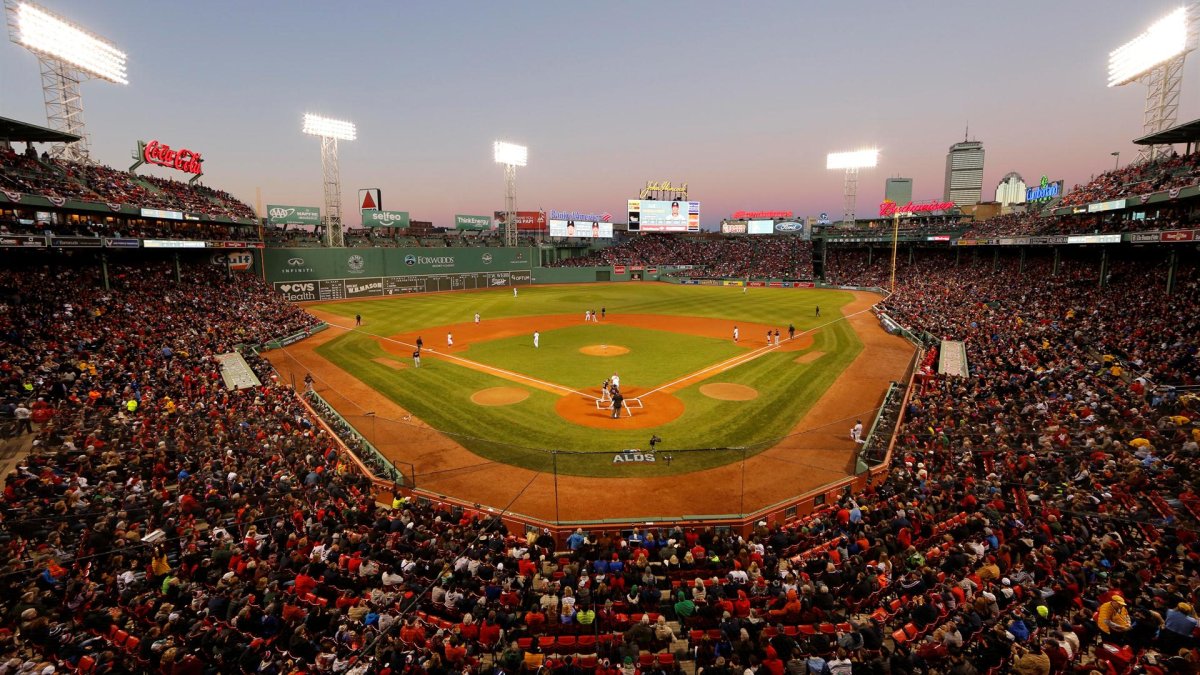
x=818 y=452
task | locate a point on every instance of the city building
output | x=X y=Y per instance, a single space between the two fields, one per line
x=1011 y=189
x=898 y=190
x=964 y=173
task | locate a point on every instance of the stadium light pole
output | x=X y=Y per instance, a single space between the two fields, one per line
x=330 y=131
x=1155 y=58
x=511 y=156
x=851 y=162
x=68 y=55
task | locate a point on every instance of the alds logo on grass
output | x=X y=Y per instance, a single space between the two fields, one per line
x=633 y=456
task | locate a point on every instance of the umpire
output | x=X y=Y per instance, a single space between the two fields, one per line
x=617 y=400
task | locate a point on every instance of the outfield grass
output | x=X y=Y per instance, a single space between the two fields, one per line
x=439 y=392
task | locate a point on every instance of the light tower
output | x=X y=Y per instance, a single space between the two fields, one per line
x=68 y=55
x=511 y=156
x=330 y=132
x=851 y=162
x=1155 y=58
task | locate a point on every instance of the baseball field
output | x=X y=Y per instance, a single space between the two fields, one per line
x=493 y=402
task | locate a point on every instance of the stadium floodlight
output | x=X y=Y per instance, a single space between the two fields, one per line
x=857 y=159
x=511 y=156
x=1155 y=58
x=851 y=161
x=68 y=55
x=325 y=127
x=330 y=131
x=45 y=34
x=1164 y=40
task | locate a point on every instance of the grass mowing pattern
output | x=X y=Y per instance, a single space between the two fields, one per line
x=439 y=392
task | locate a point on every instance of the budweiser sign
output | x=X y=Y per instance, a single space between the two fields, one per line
x=890 y=208
x=162 y=154
x=746 y=215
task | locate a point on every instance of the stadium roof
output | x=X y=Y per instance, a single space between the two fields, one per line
x=12 y=130
x=1188 y=132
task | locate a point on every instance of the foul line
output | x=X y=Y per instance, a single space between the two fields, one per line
x=750 y=356
x=471 y=364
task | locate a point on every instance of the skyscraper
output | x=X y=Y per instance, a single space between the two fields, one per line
x=1011 y=189
x=964 y=173
x=898 y=190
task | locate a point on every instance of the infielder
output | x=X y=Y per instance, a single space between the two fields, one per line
x=476 y=318
x=536 y=336
x=449 y=339
x=735 y=333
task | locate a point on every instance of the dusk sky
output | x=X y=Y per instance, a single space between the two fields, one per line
x=740 y=100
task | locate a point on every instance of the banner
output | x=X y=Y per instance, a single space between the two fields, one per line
x=527 y=221
x=282 y=214
x=385 y=218
x=473 y=222
x=76 y=242
x=22 y=241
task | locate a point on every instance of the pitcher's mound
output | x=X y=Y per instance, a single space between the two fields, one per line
x=604 y=350
x=499 y=396
x=725 y=391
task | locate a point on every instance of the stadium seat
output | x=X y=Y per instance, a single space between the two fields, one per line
x=899 y=636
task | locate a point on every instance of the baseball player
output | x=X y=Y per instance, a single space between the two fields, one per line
x=476 y=318
x=856 y=432
x=604 y=391
x=536 y=337
x=735 y=333
x=616 y=380
x=449 y=339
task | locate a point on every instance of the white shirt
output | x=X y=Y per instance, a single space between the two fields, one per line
x=616 y=380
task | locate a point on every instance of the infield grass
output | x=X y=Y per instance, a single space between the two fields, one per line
x=439 y=392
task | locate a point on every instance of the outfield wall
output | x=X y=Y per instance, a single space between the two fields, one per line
x=306 y=274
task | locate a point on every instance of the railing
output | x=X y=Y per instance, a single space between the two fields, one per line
x=381 y=467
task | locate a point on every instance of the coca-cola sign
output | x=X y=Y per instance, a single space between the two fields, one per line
x=162 y=154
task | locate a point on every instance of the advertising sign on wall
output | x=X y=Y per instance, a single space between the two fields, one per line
x=792 y=227
x=385 y=218
x=473 y=222
x=760 y=227
x=527 y=221
x=282 y=214
x=735 y=227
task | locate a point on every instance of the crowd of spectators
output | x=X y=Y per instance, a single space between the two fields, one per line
x=50 y=177
x=1032 y=224
x=1035 y=511
x=88 y=227
x=764 y=257
x=1172 y=171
